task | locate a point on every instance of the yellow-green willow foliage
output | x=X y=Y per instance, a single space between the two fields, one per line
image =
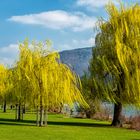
x=50 y=82
x=5 y=81
x=5 y=85
x=20 y=89
x=2 y=79
x=3 y=88
x=116 y=58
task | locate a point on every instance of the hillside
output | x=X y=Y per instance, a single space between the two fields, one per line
x=77 y=59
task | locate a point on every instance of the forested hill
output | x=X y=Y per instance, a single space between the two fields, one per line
x=77 y=59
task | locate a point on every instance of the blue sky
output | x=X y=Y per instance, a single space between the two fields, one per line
x=69 y=24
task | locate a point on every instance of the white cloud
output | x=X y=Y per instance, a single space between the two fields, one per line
x=84 y=43
x=12 y=48
x=94 y=3
x=58 y=19
x=73 y=44
x=9 y=54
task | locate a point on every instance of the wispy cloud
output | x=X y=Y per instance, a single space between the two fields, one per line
x=9 y=54
x=77 y=44
x=94 y=3
x=58 y=19
x=84 y=43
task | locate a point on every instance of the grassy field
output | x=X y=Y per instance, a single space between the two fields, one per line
x=61 y=128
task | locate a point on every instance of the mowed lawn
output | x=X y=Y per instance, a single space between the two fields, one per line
x=61 y=128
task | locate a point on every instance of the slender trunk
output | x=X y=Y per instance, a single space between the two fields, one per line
x=4 y=106
x=117 y=118
x=41 y=104
x=45 y=116
x=19 y=112
x=61 y=108
x=23 y=109
x=41 y=116
x=16 y=112
x=37 y=116
x=88 y=114
x=11 y=107
x=22 y=115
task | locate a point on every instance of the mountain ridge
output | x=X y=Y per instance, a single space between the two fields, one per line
x=77 y=59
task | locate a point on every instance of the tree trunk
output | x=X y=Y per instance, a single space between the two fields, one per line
x=4 y=106
x=41 y=116
x=16 y=112
x=117 y=117
x=88 y=114
x=45 y=116
x=19 y=112
x=23 y=109
x=22 y=115
x=37 y=116
x=11 y=107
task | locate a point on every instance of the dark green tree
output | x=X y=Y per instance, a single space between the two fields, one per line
x=88 y=94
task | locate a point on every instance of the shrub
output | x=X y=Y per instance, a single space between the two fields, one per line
x=135 y=122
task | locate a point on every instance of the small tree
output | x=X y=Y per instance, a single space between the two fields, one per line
x=115 y=65
x=5 y=85
x=51 y=82
x=2 y=84
x=20 y=89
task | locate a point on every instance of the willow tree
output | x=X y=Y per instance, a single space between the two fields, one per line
x=3 y=74
x=20 y=90
x=51 y=83
x=115 y=66
x=5 y=85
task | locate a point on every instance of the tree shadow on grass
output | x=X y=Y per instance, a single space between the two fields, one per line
x=16 y=122
x=33 y=123
x=82 y=124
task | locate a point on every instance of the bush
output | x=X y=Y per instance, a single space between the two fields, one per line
x=135 y=122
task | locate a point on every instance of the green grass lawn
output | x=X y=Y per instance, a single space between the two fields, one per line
x=61 y=128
